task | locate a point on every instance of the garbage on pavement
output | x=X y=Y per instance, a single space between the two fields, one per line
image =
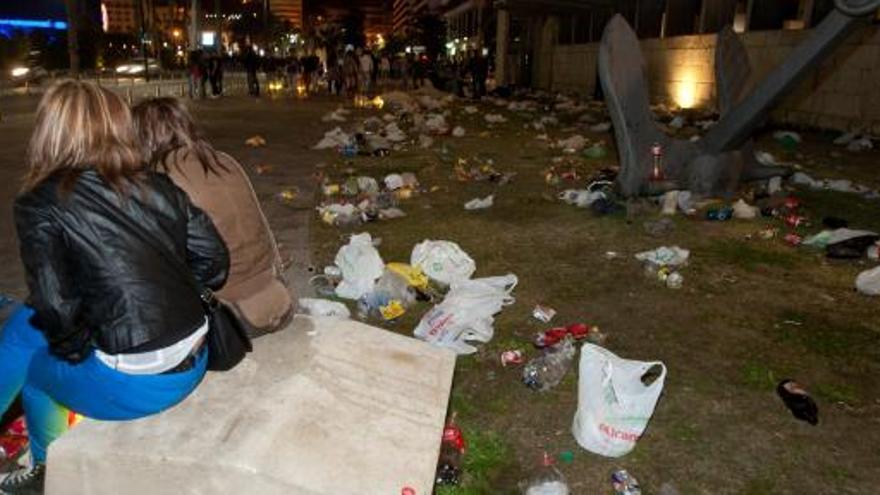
x=673 y=256
x=798 y=401
x=334 y=139
x=443 y=261
x=324 y=307
x=338 y=115
x=838 y=185
x=467 y=313
x=615 y=401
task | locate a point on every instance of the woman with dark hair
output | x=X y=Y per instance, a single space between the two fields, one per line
x=217 y=184
x=112 y=328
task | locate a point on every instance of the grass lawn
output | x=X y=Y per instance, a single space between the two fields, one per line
x=751 y=313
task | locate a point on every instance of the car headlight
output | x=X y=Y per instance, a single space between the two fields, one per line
x=137 y=69
x=122 y=69
x=20 y=71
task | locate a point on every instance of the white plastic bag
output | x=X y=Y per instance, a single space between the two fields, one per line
x=361 y=266
x=614 y=406
x=443 y=261
x=324 y=307
x=868 y=282
x=467 y=313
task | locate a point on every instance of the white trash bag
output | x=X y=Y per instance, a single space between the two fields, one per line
x=868 y=282
x=467 y=313
x=443 y=261
x=360 y=265
x=614 y=406
x=324 y=308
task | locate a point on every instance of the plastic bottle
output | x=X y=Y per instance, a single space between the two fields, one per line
x=546 y=371
x=547 y=480
x=452 y=449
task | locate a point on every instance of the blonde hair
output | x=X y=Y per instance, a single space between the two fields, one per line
x=81 y=125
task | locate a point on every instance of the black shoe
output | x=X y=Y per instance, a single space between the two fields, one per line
x=25 y=481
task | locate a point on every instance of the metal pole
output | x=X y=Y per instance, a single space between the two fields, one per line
x=144 y=39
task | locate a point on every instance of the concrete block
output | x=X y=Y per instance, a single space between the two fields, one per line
x=324 y=407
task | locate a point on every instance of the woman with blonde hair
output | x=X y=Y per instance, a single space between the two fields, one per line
x=216 y=183
x=113 y=327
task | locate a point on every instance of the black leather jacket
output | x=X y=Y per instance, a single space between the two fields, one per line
x=108 y=271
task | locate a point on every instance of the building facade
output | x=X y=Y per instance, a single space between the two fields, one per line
x=288 y=10
x=120 y=17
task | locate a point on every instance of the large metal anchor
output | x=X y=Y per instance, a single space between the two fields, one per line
x=724 y=157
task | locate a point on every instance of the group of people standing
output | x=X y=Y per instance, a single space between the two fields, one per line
x=125 y=219
x=205 y=69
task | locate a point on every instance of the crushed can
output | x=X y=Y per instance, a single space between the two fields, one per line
x=719 y=214
x=793 y=239
x=511 y=357
x=625 y=483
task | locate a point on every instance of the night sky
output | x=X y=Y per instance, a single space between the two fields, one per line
x=32 y=9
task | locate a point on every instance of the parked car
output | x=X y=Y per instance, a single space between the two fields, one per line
x=136 y=68
x=21 y=74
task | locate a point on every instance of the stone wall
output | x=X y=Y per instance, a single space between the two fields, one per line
x=841 y=93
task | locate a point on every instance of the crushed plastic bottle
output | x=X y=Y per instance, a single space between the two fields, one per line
x=625 y=483
x=546 y=371
x=546 y=481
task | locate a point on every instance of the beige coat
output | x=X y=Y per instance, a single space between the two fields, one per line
x=255 y=287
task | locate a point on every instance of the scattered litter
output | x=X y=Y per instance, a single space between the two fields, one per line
x=426 y=141
x=719 y=214
x=616 y=399
x=324 y=308
x=861 y=144
x=470 y=110
x=393 y=182
x=677 y=122
x=458 y=131
x=443 y=261
x=868 y=282
x=511 y=357
x=495 y=118
x=845 y=138
x=674 y=280
x=596 y=151
x=548 y=480
x=581 y=198
x=452 y=449
x=547 y=370
x=575 y=331
x=798 y=401
x=601 y=127
x=394 y=134
x=745 y=211
x=665 y=256
x=480 y=203
x=774 y=185
x=338 y=115
x=436 y=124
x=788 y=139
x=333 y=139
x=543 y=313
x=361 y=266
x=669 y=203
x=467 y=313
x=840 y=185
x=572 y=144
x=624 y=483
x=255 y=142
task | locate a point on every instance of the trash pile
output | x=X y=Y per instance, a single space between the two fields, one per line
x=362 y=199
x=664 y=265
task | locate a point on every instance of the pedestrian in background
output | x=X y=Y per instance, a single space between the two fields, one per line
x=251 y=66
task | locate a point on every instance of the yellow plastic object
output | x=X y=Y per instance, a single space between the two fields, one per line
x=414 y=276
x=393 y=310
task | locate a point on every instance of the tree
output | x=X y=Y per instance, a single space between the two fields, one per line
x=72 y=7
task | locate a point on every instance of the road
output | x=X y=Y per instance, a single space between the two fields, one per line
x=289 y=126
